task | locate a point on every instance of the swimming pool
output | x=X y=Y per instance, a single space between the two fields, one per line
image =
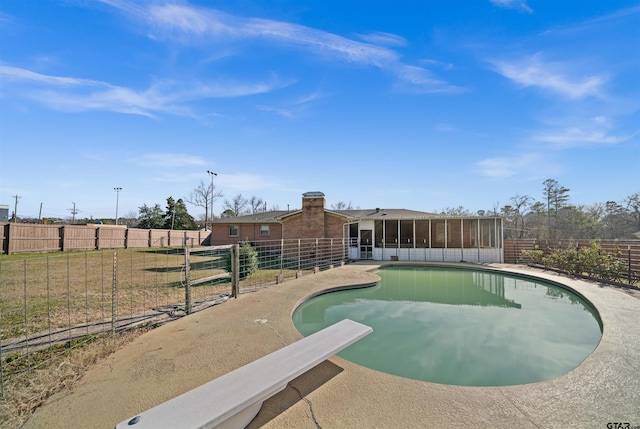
x=461 y=326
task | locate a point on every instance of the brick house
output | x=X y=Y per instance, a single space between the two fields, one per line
x=378 y=234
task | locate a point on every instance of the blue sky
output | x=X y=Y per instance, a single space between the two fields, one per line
x=395 y=104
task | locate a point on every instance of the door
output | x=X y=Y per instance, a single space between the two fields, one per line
x=366 y=244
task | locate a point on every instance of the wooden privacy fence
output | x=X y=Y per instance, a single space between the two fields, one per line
x=21 y=238
x=630 y=249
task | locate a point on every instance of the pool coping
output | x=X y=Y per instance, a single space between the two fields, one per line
x=185 y=353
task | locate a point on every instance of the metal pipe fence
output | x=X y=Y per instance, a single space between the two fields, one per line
x=50 y=304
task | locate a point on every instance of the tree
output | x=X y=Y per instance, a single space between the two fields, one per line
x=536 y=219
x=228 y=213
x=614 y=219
x=456 y=211
x=508 y=213
x=150 y=217
x=203 y=196
x=177 y=216
x=256 y=205
x=238 y=205
x=557 y=196
x=520 y=205
x=341 y=205
x=633 y=207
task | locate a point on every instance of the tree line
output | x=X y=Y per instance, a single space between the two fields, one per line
x=553 y=217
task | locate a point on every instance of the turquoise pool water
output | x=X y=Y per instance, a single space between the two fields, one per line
x=460 y=326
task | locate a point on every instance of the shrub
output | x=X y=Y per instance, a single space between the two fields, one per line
x=590 y=260
x=535 y=256
x=248 y=261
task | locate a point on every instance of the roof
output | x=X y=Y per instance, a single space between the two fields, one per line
x=263 y=217
x=278 y=216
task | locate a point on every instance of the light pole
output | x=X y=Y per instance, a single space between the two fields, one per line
x=212 y=174
x=117 y=199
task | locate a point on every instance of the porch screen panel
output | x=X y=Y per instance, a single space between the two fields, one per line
x=422 y=233
x=378 y=233
x=454 y=234
x=437 y=233
x=406 y=233
x=470 y=233
x=390 y=234
x=487 y=233
x=353 y=235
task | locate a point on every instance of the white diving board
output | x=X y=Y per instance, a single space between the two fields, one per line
x=234 y=399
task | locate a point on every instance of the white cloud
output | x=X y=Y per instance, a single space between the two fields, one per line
x=285 y=113
x=509 y=166
x=593 y=131
x=77 y=95
x=417 y=79
x=293 y=108
x=520 y=5
x=551 y=76
x=381 y=38
x=197 y=25
x=18 y=74
x=6 y=19
x=575 y=137
x=441 y=64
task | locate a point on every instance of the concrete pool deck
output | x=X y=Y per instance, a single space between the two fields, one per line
x=188 y=352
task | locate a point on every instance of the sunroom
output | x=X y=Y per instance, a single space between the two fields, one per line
x=389 y=236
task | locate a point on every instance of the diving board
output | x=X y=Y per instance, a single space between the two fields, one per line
x=234 y=399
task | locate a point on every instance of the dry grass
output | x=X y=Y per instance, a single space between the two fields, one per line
x=52 y=292
x=24 y=394
x=42 y=294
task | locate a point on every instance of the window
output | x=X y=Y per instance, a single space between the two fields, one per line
x=233 y=230
x=264 y=230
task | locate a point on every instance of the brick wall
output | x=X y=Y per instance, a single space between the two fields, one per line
x=311 y=222
x=246 y=232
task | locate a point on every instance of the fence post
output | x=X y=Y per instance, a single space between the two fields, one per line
x=61 y=238
x=629 y=263
x=114 y=294
x=187 y=282
x=9 y=230
x=235 y=270
x=281 y=255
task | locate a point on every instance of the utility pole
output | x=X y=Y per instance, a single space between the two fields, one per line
x=15 y=209
x=212 y=174
x=73 y=212
x=40 y=213
x=117 y=200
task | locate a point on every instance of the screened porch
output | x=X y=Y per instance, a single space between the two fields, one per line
x=428 y=240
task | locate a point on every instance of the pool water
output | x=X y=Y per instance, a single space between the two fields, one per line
x=460 y=326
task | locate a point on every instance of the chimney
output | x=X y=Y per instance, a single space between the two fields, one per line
x=313 y=205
